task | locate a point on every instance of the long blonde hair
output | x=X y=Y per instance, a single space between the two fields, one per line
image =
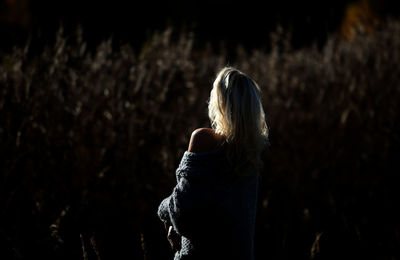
x=236 y=112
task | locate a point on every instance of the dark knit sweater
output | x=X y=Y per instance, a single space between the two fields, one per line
x=212 y=210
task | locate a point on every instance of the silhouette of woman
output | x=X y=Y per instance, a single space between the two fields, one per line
x=211 y=211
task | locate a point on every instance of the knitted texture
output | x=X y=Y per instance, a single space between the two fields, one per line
x=211 y=209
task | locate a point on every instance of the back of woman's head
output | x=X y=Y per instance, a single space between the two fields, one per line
x=236 y=112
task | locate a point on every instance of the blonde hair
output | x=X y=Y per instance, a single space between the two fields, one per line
x=235 y=111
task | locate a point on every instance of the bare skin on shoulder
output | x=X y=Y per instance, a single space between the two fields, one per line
x=205 y=140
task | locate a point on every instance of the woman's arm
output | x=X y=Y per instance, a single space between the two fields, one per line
x=173 y=237
x=188 y=196
x=184 y=207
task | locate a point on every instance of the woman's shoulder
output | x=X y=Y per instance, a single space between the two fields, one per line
x=205 y=140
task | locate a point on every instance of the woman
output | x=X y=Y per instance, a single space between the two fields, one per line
x=211 y=211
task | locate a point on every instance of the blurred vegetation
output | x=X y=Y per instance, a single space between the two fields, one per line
x=90 y=141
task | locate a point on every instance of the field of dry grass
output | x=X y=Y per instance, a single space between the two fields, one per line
x=90 y=140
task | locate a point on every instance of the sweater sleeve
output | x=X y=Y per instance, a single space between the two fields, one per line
x=184 y=206
x=163 y=212
x=188 y=202
x=187 y=205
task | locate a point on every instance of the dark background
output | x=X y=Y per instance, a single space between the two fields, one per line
x=91 y=131
x=230 y=22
